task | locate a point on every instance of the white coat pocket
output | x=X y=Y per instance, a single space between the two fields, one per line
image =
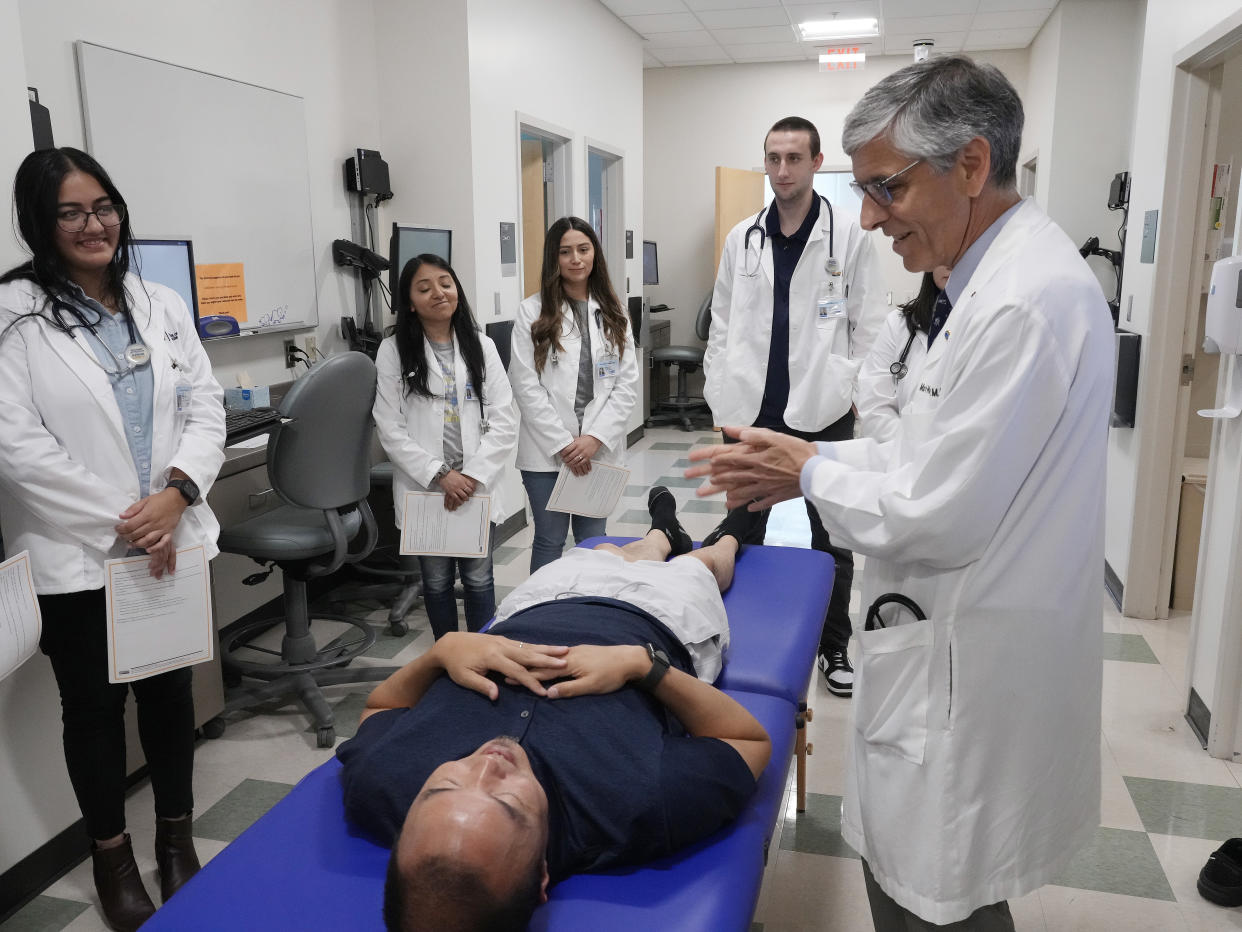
x=892 y=688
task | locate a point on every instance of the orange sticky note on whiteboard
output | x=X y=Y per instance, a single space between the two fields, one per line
x=221 y=290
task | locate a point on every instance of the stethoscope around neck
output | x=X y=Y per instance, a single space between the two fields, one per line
x=759 y=226
x=899 y=368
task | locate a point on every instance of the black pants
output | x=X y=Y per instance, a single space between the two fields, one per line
x=93 y=712
x=836 y=631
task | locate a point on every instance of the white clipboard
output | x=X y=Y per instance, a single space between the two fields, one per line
x=430 y=529
x=594 y=495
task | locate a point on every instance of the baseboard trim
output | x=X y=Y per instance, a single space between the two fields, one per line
x=635 y=435
x=510 y=526
x=1199 y=717
x=1113 y=585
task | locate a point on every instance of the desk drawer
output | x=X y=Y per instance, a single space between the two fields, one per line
x=235 y=499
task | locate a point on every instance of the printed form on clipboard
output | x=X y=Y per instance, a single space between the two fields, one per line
x=430 y=529
x=594 y=495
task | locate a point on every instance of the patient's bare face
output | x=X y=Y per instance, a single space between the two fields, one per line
x=487 y=810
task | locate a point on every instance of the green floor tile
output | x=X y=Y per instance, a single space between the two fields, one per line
x=679 y=482
x=680 y=464
x=636 y=491
x=388 y=645
x=713 y=437
x=503 y=556
x=1191 y=810
x=636 y=516
x=45 y=914
x=705 y=506
x=666 y=445
x=1129 y=647
x=1117 y=861
x=239 y=808
x=818 y=830
x=347 y=713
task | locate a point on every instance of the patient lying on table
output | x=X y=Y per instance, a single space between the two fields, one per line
x=490 y=785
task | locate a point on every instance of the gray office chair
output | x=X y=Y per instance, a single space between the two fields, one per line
x=683 y=407
x=317 y=462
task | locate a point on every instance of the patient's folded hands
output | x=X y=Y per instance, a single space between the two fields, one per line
x=468 y=658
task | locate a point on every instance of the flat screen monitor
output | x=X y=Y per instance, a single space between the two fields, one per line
x=409 y=241
x=168 y=262
x=651 y=266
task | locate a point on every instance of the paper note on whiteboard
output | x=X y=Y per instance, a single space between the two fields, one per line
x=222 y=290
x=20 y=621
x=430 y=529
x=594 y=495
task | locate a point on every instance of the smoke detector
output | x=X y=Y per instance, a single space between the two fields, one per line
x=923 y=49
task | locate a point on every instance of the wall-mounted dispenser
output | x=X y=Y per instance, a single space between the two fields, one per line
x=1222 y=331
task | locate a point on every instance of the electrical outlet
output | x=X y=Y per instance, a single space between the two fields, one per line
x=291 y=356
x=312 y=347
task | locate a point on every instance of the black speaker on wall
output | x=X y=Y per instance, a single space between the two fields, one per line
x=40 y=121
x=1125 y=393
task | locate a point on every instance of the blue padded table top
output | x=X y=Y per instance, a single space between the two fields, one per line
x=774 y=624
x=300 y=867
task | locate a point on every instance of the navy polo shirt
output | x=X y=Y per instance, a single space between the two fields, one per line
x=786 y=251
x=625 y=783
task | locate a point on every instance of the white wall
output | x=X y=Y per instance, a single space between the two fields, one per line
x=322 y=51
x=699 y=117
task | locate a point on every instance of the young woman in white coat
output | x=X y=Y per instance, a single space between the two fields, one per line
x=113 y=432
x=575 y=379
x=889 y=375
x=445 y=416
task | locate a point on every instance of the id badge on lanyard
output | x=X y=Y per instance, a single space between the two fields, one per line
x=185 y=396
x=606 y=367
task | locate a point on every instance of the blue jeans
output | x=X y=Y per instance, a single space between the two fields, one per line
x=552 y=527
x=439 y=574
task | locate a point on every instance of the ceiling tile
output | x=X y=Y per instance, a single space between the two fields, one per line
x=802 y=10
x=1000 y=38
x=945 y=42
x=694 y=57
x=674 y=40
x=662 y=22
x=906 y=25
x=757 y=50
x=764 y=34
x=1011 y=19
x=650 y=61
x=998 y=6
x=911 y=8
x=736 y=19
x=636 y=7
x=697 y=5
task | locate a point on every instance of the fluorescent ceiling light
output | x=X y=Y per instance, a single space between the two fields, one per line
x=839 y=29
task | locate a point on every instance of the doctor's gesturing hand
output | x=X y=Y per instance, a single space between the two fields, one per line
x=763 y=469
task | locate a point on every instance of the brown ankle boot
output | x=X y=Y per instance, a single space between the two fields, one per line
x=174 y=854
x=125 y=903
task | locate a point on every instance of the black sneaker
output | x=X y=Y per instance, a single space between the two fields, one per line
x=835 y=665
x=663 y=509
x=1220 y=881
x=739 y=524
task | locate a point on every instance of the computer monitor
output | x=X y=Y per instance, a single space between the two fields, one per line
x=651 y=265
x=409 y=241
x=168 y=262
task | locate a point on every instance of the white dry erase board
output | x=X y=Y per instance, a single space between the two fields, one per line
x=223 y=161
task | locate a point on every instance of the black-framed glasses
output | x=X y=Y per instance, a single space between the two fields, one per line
x=878 y=190
x=74 y=221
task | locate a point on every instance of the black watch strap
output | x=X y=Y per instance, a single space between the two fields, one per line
x=187 y=487
x=659 y=667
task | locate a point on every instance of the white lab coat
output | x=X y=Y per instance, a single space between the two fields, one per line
x=880 y=398
x=546 y=399
x=66 y=472
x=824 y=356
x=411 y=427
x=975 y=769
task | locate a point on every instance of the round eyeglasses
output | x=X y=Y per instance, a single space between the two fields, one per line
x=74 y=221
x=878 y=190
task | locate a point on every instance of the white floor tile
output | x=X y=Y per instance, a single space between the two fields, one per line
x=1069 y=910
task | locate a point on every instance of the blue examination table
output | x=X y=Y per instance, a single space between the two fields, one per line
x=301 y=866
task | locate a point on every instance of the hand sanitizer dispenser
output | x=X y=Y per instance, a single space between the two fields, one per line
x=1222 y=332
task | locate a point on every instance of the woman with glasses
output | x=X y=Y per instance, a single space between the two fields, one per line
x=575 y=379
x=113 y=433
x=444 y=412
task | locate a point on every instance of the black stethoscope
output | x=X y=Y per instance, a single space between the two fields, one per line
x=899 y=368
x=875 y=620
x=759 y=227
x=599 y=324
x=136 y=353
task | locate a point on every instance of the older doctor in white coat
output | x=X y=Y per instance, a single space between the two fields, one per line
x=796 y=305
x=974 y=770
x=444 y=413
x=575 y=379
x=113 y=432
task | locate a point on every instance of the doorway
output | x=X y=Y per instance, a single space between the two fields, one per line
x=545 y=194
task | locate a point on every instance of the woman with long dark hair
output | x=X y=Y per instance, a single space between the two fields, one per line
x=889 y=374
x=444 y=411
x=113 y=431
x=574 y=376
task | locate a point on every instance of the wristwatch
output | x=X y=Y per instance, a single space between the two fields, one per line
x=187 y=487
x=659 y=667
x=443 y=471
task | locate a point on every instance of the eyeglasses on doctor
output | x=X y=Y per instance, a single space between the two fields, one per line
x=74 y=221
x=878 y=190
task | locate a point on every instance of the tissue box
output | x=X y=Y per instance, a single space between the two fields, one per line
x=243 y=399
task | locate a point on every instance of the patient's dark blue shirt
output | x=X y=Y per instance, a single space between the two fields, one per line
x=625 y=783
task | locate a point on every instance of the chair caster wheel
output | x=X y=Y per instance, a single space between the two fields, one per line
x=398 y=629
x=325 y=736
x=213 y=727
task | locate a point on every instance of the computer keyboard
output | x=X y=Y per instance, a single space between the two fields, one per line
x=248 y=421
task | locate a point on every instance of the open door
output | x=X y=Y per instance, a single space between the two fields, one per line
x=739 y=193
